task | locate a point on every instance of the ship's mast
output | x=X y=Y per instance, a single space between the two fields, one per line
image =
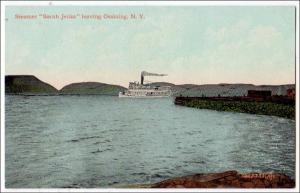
x=144 y=73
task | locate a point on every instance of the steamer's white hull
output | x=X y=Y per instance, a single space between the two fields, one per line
x=121 y=95
x=146 y=93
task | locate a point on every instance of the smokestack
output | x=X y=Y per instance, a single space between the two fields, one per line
x=142 y=79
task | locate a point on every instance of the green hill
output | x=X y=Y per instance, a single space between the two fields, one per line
x=27 y=84
x=91 y=88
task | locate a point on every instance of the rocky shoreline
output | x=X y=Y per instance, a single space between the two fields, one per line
x=229 y=179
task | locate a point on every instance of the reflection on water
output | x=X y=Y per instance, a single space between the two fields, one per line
x=103 y=141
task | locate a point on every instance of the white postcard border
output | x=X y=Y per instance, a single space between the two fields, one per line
x=143 y=3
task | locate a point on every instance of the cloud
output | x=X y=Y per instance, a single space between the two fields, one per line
x=227 y=33
x=264 y=36
x=185 y=43
x=250 y=54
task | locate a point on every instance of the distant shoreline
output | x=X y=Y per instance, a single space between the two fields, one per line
x=56 y=94
x=29 y=85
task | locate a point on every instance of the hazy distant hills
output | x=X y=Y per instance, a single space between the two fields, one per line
x=222 y=89
x=161 y=84
x=91 y=88
x=228 y=89
x=27 y=84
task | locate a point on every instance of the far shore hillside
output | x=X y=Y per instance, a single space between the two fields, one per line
x=31 y=85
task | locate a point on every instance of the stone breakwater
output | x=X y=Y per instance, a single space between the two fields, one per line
x=228 y=179
x=280 y=106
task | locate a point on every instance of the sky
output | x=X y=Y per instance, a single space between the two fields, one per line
x=192 y=44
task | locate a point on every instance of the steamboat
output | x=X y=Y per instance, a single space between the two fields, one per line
x=141 y=90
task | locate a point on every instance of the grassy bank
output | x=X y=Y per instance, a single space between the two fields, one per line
x=252 y=107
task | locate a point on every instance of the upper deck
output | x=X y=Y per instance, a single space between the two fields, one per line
x=138 y=86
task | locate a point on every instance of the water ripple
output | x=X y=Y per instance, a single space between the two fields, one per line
x=101 y=141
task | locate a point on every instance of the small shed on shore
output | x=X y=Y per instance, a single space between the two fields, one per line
x=291 y=93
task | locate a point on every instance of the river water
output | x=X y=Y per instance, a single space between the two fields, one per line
x=104 y=141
